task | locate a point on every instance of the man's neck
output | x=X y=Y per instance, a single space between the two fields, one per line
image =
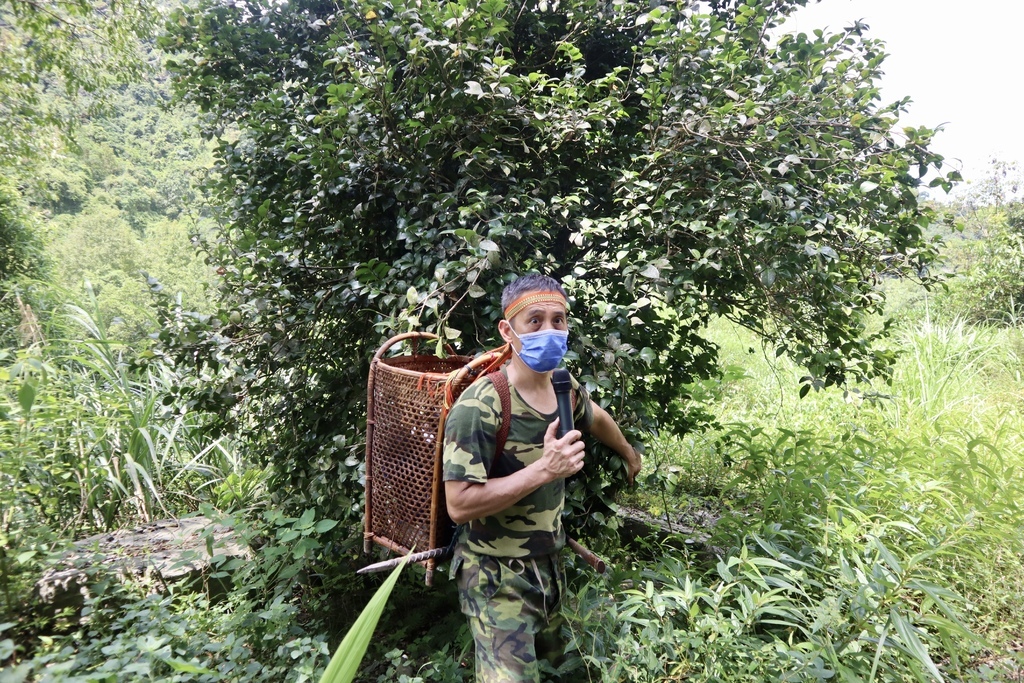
x=526 y=380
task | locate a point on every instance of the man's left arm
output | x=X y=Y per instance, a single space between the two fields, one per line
x=607 y=432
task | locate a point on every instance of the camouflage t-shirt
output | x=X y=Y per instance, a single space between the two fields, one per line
x=532 y=526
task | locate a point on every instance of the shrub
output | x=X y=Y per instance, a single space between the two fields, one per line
x=397 y=163
x=846 y=562
x=992 y=288
x=775 y=609
x=128 y=637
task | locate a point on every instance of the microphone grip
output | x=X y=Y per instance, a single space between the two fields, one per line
x=565 y=424
x=562 y=385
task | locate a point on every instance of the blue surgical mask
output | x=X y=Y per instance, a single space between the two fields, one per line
x=543 y=351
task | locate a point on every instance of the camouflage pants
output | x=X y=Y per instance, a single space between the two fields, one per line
x=512 y=607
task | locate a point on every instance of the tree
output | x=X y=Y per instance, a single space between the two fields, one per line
x=1002 y=183
x=20 y=256
x=991 y=287
x=74 y=49
x=19 y=248
x=391 y=165
x=57 y=60
x=99 y=247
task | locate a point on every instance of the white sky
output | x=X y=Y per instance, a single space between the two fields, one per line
x=960 y=62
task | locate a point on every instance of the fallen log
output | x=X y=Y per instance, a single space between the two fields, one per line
x=159 y=554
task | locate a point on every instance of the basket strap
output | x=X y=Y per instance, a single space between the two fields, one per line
x=500 y=382
x=481 y=366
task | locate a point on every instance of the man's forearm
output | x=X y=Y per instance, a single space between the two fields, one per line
x=605 y=429
x=562 y=457
x=468 y=500
x=608 y=433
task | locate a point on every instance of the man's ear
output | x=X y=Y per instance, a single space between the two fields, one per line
x=505 y=330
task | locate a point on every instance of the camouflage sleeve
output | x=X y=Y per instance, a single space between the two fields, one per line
x=470 y=434
x=583 y=417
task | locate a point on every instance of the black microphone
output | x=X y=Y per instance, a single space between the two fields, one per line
x=563 y=385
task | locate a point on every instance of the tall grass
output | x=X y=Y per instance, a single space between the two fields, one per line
x=897 y=509
x=950 y=374
x=89 y=440
x=955 y=376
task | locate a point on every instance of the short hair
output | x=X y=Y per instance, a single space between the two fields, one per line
x=530 y=283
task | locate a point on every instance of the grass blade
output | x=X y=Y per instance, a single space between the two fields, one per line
x=345 y=662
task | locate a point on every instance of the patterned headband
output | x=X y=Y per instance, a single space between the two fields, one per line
x=520 y=304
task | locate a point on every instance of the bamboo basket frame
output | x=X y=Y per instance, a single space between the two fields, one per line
x=405 y=406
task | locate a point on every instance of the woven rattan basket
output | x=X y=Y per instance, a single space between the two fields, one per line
x=405 y=506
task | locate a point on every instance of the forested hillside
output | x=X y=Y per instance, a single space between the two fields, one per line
x=101 y=169
x=121 y=204
x=213 y=214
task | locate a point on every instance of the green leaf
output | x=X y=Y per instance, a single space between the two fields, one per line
x=868 y=186
x=879 y=648
x=325 y=525
x=938 y=596
x=306 y=521
x=187 y=667
x=471 y=236
x=345 y=662
x=24 y=557
x=887 y=556
x=913 y=643
x=27 y=396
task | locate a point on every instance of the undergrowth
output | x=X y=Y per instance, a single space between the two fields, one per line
x=874 y=534
x=877 y=536
x=859 y=561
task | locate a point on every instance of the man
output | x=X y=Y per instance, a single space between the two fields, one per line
x=506 y=560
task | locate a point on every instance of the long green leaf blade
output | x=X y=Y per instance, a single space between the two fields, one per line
x=913 y=644
x=345 y=662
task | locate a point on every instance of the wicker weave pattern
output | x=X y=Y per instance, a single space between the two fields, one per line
x=407 y=396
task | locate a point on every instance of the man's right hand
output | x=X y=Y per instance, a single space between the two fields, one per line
x=562 y=457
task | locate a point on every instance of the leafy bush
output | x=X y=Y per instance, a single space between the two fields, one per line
x=776 y=609
x=992 y=288
x=859 y=544
x=395 y=164
x=128 y=637
x=929 y=467
x=248 y=619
